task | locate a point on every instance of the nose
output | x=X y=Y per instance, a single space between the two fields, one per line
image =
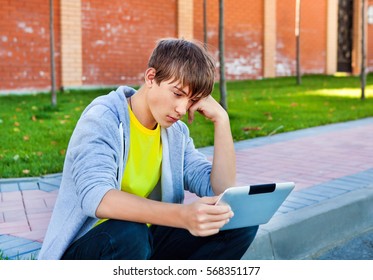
x=182 y=107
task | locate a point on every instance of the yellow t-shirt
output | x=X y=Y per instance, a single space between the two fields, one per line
x=143 y=167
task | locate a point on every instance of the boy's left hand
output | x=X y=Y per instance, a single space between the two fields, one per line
x=209 y=108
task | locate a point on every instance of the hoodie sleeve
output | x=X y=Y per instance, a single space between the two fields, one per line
x=94 y=150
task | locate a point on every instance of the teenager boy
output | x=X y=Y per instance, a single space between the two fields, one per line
x=129 y=160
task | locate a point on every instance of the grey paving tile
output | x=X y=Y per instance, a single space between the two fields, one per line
x=18 y=248
x=293 y=205
x=47 y=187
x=9 y=187
x=325 y=191
x=5 y=238
x=309 y=196
x=14 y=243
x=301 y=200
x=28 y=186
x=23 y=251
x=344 y=185
x=53 y=181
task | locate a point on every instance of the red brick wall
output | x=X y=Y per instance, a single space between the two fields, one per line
x=24 y=45
x=312 y=37
x=243 y=35
x=118 y=38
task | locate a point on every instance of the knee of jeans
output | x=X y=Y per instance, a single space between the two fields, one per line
x=132 y=240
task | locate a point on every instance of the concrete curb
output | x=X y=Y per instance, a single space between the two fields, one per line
x=303 y=233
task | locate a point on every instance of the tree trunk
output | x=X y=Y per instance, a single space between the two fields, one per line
x=53 y=74
x=297 y=37
x=222 y=84
x=363 y=51
x=205 y=23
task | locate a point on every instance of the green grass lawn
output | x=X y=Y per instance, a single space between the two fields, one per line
x=34 y=136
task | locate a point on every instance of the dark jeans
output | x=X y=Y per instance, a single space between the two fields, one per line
x=114 y=240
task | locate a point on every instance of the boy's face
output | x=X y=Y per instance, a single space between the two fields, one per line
x=169 y=102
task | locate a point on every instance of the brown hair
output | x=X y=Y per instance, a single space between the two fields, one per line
x=184 y=61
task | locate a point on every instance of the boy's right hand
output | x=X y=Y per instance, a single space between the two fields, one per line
x=204 y=218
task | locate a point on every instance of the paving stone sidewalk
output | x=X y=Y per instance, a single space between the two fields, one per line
x=324 y=162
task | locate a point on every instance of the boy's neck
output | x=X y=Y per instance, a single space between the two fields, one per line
x=140 y=108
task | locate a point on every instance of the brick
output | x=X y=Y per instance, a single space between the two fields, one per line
x=11 y=206
x=14 y=227
x=15 y=216
x=12 y=196
x=37 y=203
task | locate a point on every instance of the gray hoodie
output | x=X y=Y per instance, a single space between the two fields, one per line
x=95 y=161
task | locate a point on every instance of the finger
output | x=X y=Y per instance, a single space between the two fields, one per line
x=204 y=219
x=218 y=217
x=210 y=206
x=190 y=116
x=211 y=200
x=191 y=112
x=210 y=228
x=205 y=233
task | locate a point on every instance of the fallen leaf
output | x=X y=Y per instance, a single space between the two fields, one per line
x=25 y=171
x=251 y=128
x=269 y=115
x=26 y=138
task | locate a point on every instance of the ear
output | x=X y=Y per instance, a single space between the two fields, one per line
x=149 y=76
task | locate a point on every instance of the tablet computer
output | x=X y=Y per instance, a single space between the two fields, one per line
x=255 y=204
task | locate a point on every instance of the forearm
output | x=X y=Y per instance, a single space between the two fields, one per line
x=201 y=218
x=223 y=172
x=124 y=206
